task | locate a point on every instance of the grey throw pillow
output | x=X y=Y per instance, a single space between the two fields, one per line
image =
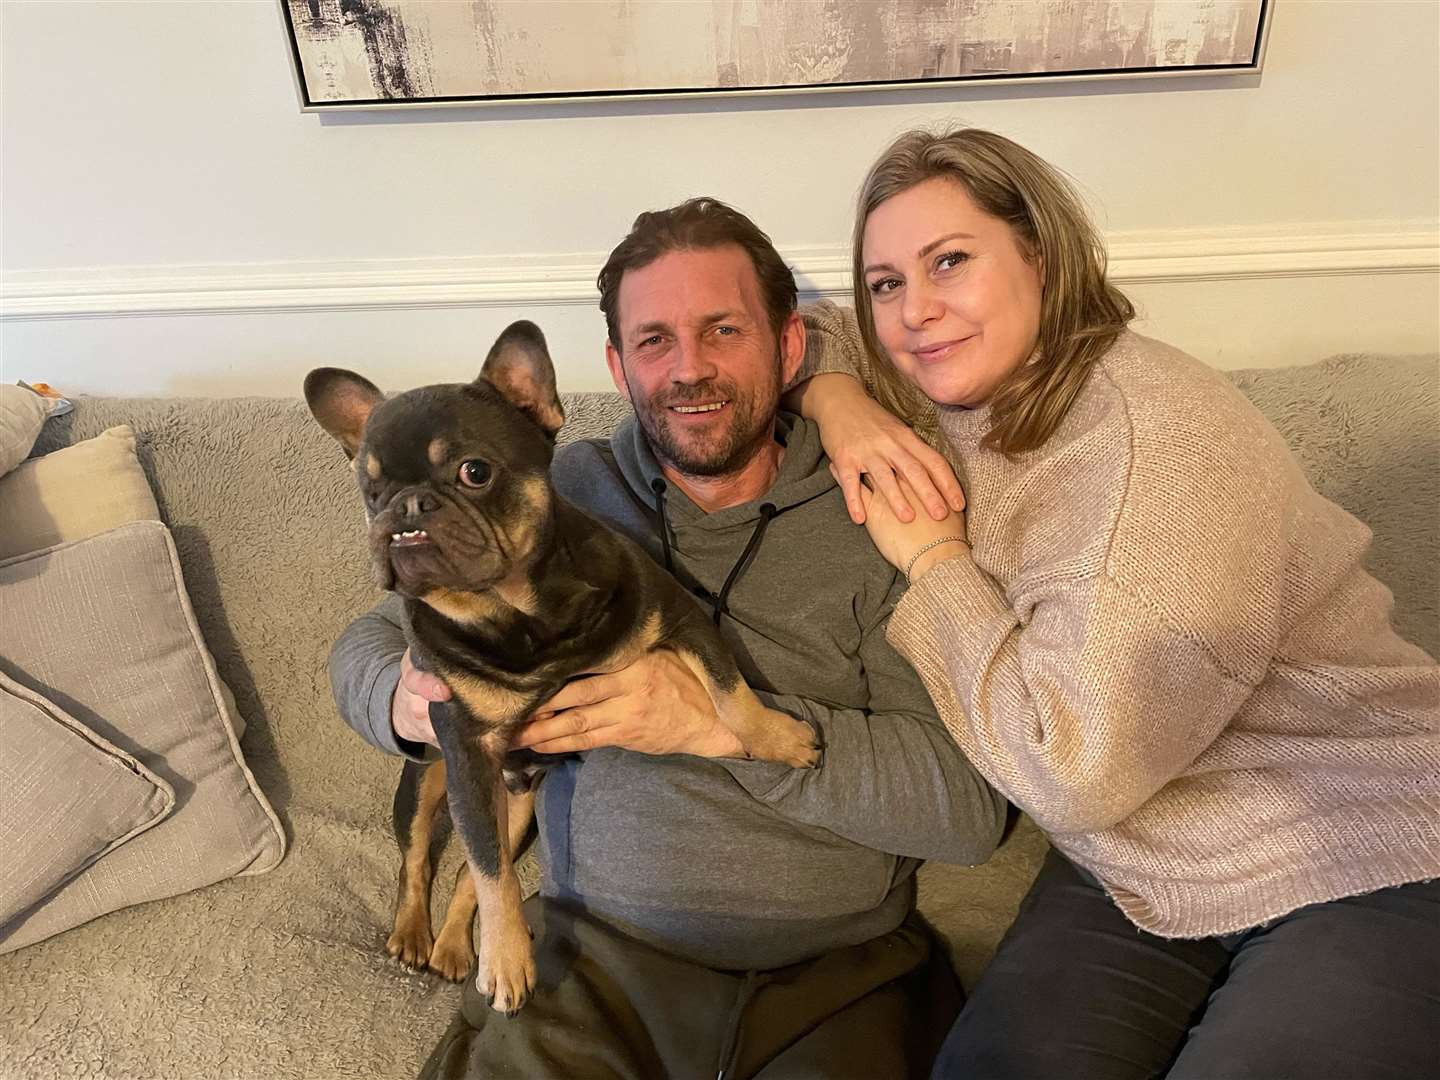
x=67 y=797
x=103 y=628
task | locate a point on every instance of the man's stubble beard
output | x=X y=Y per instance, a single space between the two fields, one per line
x=751 y=421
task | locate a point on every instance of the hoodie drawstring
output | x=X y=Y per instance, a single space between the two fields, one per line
x=658 y=486
x=767 y=512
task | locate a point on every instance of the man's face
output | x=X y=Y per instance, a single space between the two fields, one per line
x=698 y=360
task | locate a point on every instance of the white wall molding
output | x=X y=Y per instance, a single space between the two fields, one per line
x=1297 y=251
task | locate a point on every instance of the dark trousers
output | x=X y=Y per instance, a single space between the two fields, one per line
x=1347 y=989
x=608 y=1006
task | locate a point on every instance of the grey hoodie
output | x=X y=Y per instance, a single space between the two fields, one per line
x=729 y=863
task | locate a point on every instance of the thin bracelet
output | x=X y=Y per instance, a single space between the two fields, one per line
x=932 y=544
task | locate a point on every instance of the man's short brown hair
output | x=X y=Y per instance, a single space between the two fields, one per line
x=696 y=225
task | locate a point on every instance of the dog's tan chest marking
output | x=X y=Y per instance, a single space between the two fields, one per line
x=468 y=608
x=518 y=593
x=489 y=701
x=462 y=607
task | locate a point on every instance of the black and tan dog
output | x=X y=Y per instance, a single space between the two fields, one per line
x=509 y=593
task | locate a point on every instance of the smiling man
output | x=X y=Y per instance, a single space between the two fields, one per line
x=703 y=356
x=699 y=914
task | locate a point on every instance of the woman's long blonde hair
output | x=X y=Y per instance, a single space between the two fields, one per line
x=1080 y=312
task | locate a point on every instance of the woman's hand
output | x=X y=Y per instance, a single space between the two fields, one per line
x=862 y=438
x=915 y=546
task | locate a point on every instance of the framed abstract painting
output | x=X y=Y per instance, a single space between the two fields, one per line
x=365 y=54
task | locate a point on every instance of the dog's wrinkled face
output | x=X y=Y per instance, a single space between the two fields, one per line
x=453 y=476
x=453 y=479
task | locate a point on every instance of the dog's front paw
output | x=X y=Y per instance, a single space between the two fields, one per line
x=507 y=967
x=452 y=956
x=803 y=752
x=411 y=941
x=792 y=744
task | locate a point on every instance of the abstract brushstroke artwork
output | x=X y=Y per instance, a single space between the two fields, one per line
x=365 y=53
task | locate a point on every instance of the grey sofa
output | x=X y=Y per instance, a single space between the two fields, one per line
x=284 y=975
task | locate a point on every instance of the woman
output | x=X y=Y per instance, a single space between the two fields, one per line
x=1144 y=626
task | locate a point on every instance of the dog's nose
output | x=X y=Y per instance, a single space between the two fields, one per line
x=418 y=503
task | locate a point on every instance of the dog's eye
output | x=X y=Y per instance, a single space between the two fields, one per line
x=475 y=474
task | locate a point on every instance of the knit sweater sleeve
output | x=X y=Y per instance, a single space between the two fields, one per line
x=833 y=346
x=832 y=343
x=1156 y=535
x=1081 y=713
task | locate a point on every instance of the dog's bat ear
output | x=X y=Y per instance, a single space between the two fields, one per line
x=341 y=401
x=518 y=365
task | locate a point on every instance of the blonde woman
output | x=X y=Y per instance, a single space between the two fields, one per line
x=1143 y=626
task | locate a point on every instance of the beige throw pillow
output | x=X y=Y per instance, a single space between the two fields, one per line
x=67 y=797
x=103 y=628
x=22 y=415
x=74 y=493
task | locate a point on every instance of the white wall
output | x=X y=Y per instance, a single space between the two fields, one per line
x=172 y=223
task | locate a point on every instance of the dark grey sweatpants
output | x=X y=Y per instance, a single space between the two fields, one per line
x=1348 y=990
x=611 y=1008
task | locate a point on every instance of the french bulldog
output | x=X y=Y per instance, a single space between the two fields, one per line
x=509 y=592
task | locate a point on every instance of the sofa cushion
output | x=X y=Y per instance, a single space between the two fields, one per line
x=67 y=797
x=77 y=491
x=22 y=414
x=103 y=628
x=74 y=493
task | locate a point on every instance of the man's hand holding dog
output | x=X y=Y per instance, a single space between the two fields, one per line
x=410 y=707
x=654 y=706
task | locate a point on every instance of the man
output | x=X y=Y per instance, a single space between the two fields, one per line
x=702 y=915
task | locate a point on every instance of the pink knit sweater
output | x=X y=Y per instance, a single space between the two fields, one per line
x=1164 y=649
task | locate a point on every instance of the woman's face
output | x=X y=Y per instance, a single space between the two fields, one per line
x=955 y=302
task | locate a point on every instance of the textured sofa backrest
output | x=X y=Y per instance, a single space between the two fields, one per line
x=1366 y=430
x=270 y=531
